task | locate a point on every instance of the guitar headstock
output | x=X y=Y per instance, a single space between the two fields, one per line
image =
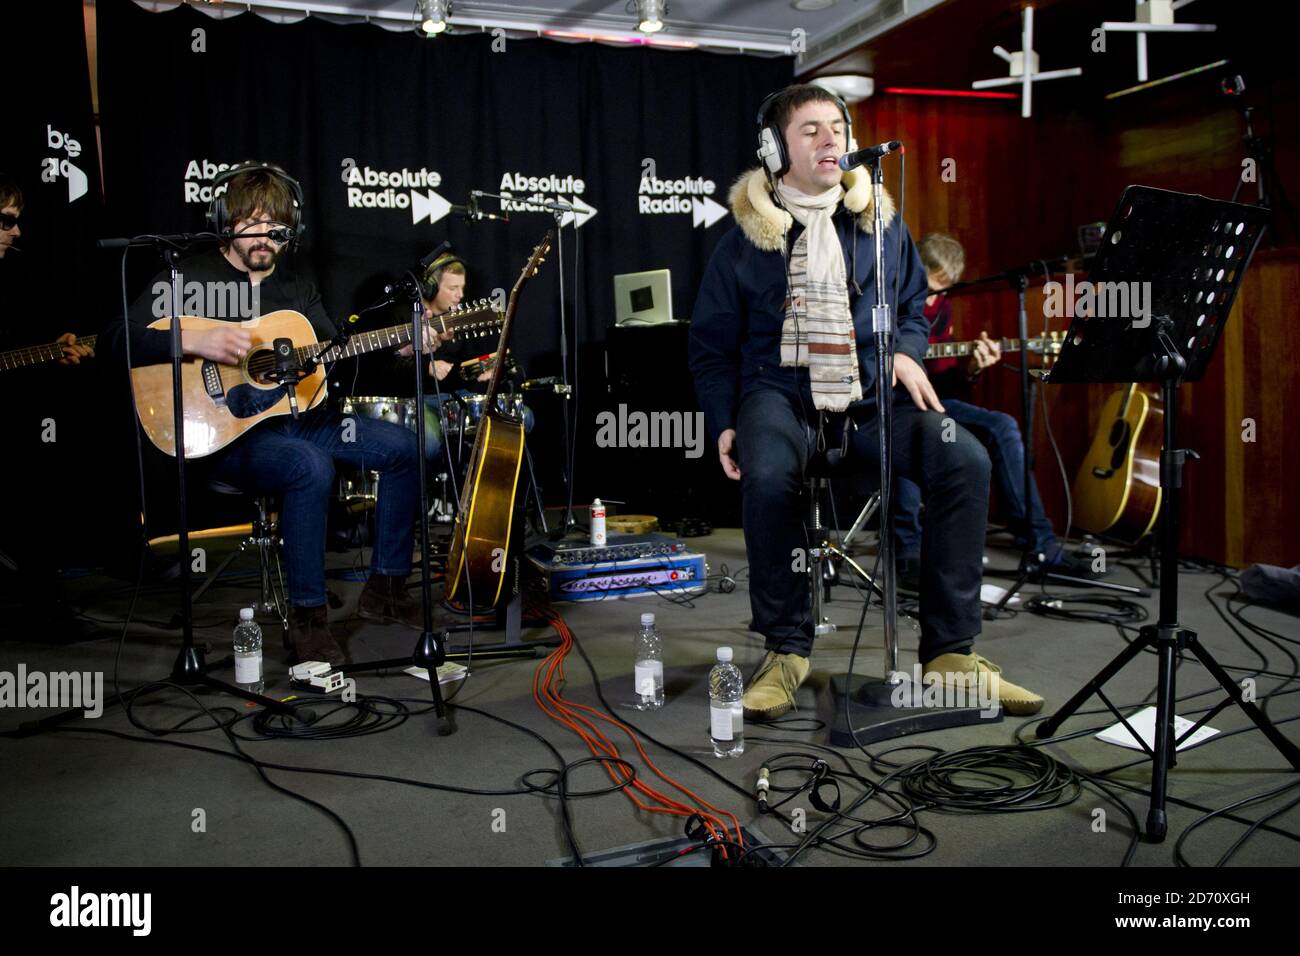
x=470 y=318
x=535 y=261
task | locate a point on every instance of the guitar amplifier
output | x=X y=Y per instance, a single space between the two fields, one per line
x=630 y=565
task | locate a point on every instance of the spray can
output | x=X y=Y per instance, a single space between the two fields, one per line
x=597 y=524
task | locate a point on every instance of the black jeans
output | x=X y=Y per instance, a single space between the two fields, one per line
x=775 y=441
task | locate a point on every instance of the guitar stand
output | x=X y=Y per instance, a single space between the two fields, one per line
x=1156 y=234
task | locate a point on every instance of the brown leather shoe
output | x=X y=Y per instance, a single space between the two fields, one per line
x=385 y=598
x=309 y=636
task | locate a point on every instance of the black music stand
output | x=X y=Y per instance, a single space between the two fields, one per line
x=1193 y=252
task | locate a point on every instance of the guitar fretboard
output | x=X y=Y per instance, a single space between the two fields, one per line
x=479 y=322
x=952 y=349
x=36 y=354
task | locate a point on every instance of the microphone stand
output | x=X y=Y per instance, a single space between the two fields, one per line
x=1018 y=278
x=882 y=326
x=430 y=650
x=869 y=710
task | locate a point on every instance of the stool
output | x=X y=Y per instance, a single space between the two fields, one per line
x=822 y=570
x=264 y=537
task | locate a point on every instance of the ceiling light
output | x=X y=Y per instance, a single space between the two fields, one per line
x=812 y=6
x=850 y=87
x=433 y=15
x=650 y=15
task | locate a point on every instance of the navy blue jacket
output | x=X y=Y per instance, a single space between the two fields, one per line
x=735 y=339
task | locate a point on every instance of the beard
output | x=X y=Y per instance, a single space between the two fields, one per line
x=258 y=257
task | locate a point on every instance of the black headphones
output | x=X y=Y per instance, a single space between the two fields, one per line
x=429 y=283
x=218 y=215
x=773 y=153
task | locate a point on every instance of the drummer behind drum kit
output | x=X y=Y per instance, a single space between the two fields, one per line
x=458 y=421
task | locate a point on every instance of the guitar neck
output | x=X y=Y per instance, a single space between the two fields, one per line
x=954 y=349
x=359 y=343
x=37 y=354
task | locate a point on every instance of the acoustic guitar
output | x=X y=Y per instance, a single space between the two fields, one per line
x=1117 y=489
x=476 y=564
x=222 y=402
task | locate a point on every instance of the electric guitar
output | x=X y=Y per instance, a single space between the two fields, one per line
x=39 y=354
x=476 y=564
x=1046 y=345
x=222 y=402
x=1117 y=489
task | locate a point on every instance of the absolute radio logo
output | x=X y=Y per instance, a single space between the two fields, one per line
x=561 y=187
x=197 y=183
x=658 y=197
x=405 y=188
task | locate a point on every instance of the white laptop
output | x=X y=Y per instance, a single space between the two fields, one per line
x=643 y=298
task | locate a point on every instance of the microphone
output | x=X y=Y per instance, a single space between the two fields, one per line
x=287 y=371
x=761 y=788
x=855 y=159
x=472 y=212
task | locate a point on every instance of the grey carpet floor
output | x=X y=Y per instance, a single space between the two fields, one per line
x=78 y=798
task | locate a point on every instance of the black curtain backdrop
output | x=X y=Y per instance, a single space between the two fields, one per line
x=48 y=425
x=346 y=109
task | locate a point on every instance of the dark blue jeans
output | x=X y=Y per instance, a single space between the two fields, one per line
x=295 y=459
x=775 y=441
x=1000 y=435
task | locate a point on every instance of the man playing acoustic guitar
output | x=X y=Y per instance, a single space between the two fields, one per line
x=258 y=216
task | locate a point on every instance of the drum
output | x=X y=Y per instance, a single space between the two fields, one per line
x=511 y=406
x=474 y=405
x=399 y=411
x=357 y=487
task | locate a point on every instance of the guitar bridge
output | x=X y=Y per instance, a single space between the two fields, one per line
x=212 y=382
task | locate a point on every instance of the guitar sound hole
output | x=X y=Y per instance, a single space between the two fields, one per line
x=260 y=364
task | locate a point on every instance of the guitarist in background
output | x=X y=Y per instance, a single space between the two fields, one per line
x=11 y=209
x=443 y=290
x=294 y=458
x=36 y=523
x=944 y=259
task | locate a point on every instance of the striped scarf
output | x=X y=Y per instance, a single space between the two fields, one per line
x=817 y=333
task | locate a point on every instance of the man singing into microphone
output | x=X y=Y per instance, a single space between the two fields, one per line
x=294 y=458
x=781 y=343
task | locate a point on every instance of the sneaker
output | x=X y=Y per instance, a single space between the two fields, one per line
x=771 y=690
x=1015 y=700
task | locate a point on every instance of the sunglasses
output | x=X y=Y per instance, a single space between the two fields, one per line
x=7 y=221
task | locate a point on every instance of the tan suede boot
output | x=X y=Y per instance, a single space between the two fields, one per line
x=771 y=690
x=1015 y=700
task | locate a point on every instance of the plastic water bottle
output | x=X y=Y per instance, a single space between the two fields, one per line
x=726 y=713
x=649 y=674
x=248 y=653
